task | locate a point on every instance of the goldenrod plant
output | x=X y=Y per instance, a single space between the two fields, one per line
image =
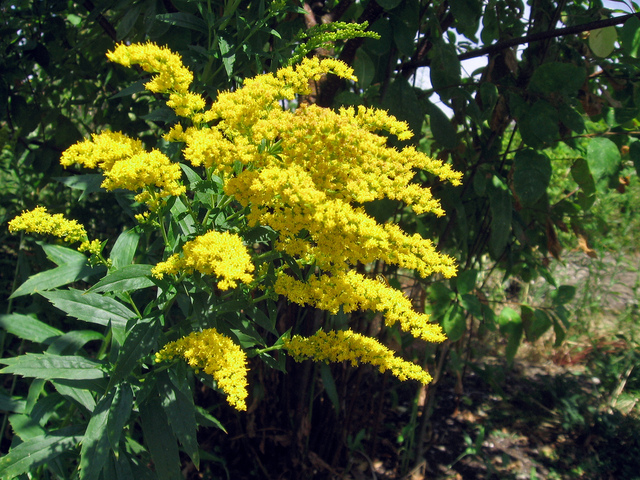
x=263 y=202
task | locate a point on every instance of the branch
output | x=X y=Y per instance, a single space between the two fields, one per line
x=535 y=37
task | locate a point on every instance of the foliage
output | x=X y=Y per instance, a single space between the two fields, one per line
x=544 y=137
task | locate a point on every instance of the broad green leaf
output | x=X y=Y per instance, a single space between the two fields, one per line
x=27 y=456
x=136 y=87
x=89 y=183
x=389 y=4
x=445 y=69
x=125 y=279
x=160 y=439
x=570 y=118
x=185 y=20
x=603 y=158
x=330 y=386
x=95 y=443
x=128 y=21
x=441 y=127
x=602 y=41
x=563 y=294
x=472 y=305
x=467 y=14
x=57 y=277
x=62 y=255
x=46 y=366
x=29 y=328
x=511 y=323
x=454 y=322
x=363 y=68
x=501 y=218
x=532 y=175
x=177 y=401
x=228 y=58
x=124 y=249
x=119 y=413
x=539 y=124
x=71 y=342
x=582 y=176
x=401 y=101
x=536 y=323
x=74 y=391
x=557 y=77
x=91 y=307
x=139 y=342
x=403 y=36
x=630 y=37
x=465 y=281
x=507 y=318
x=12 y=404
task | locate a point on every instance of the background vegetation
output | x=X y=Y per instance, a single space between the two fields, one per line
x=538 y=376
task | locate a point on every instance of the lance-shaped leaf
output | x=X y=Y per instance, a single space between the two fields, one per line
x=29 y=328
x=46 y=366
x=125 y=279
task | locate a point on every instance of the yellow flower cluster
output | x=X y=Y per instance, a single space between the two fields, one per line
x=172 y=76
x=127 y=165
x=216 y=355
x=354 y=291
x=40 y=221
x=215 y=253
x=345 y=345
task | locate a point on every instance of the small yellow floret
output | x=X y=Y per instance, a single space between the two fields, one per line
x=40 y=221
x=217 y=356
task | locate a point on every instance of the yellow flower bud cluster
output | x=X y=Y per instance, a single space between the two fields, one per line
x=348 y=346
x=127 y=165
x=215 y=253
x=40 y=221
x=216 y=355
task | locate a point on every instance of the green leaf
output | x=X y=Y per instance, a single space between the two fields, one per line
x=136 y=87
x=32 y=453
x=501 y=218
x=29 y=328
x=570 y=118
x=630 y=36
x=364 y=69
x=124 y=249
x=535 y=322
x=71 y=342
x=445 y=69
x=186 y=20
x=46 y=366
x=177 y=401
x=467 y=14
x=401 y=101
x=539 y=124
x=12 y=404
x=139 y=342
x=454 y=322
x=125 y=279
x=159 y=439
x=441 y=127
x=57 y=277
x=602 y=41
x=511 y=323
x=634 y=153
x=228 y=58
x=532 y=175
x=389 y=4
x=330 y=386
x=62 y=255
x=119 y=413
x=91 y=307
x=403 y=36
x=95 y=443
x=563 y=294
x=603 y=158
x=557 y=77
x=582 y=176
x=128 y=21
x=465 y=281
x=72 y=390
x=88 y=183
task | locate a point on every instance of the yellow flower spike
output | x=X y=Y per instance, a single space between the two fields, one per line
x=42 y=222
x=346 y=345
x=214 y=253
x=216 y=355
